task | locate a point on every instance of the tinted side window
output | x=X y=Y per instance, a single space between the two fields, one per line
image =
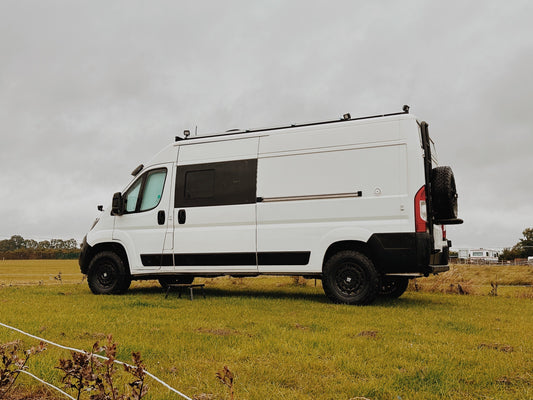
x=200 y=184
x=145 y=193
x=216 y=184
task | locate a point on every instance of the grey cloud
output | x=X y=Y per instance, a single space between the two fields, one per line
x=90 y=90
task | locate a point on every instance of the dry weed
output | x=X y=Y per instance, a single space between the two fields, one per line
x=497 y=346
x=299 y=281
x=226 y=377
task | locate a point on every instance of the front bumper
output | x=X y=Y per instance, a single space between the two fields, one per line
x=83 y=261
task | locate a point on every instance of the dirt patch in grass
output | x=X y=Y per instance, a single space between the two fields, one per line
x=218 y=331
x=497 y=346
x=93 y=335
x=368 y=334
x=21 y=393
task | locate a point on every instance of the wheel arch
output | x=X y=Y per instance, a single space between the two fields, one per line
x=342 y=245
x=115 y=247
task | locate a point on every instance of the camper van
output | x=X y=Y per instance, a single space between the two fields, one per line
x=360 y=203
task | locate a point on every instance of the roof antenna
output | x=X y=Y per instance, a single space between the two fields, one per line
x=406 y=109
x=196 y=130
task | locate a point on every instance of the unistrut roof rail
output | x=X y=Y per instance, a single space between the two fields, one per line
x=345 y=117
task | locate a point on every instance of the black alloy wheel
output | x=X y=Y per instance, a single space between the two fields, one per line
x=393 y=287
x=350 y=277
x=107 y=274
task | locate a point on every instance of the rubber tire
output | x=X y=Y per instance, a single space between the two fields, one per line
x=393 y=287
x=108 y=274
x=180 y=279
x=349 y=277
x=444 y=193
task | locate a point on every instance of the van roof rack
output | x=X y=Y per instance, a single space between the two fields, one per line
x=345 y=117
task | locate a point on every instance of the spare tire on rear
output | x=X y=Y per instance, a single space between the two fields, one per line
x=443 y=194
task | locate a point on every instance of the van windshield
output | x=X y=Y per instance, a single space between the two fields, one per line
x=145 y=193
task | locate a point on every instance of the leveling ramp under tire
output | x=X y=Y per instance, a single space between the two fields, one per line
x=164 y=281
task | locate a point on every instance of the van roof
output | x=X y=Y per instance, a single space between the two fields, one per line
x=345 y=118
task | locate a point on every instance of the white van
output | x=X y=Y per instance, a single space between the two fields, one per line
x=357 y=202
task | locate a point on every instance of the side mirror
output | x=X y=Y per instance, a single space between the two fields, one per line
x=117 y=206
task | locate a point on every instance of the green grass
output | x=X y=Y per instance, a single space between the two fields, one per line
x=39 y=272
x=286 y=341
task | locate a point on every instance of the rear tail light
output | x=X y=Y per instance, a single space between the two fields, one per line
x=421 y=210
x=443 y=227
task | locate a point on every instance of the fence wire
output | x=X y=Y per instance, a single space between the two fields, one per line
x=96 y=355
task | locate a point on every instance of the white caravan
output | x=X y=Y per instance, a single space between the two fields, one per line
x=357 y=202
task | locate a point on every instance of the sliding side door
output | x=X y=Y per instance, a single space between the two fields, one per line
x=215 y=207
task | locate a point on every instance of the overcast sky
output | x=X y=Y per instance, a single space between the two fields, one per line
x=91 y=89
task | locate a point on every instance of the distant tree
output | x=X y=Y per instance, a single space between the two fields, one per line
x=14 y=243
x=523 y=249
x=56 y=244
x=526 y=243
x=4 y=245
x=70 y=244
x=18 y=241
x=44 y=245
x=19 y=248
x=31 y=244
x=508 y=254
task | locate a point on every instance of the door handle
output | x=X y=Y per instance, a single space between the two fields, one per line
x=161 y=217
x=181 y=216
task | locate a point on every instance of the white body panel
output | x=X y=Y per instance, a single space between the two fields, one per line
x=325 y=162
x=315 y=186
x=216 y=229
x=222 y=229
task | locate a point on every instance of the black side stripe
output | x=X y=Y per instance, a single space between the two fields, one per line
x=227 y=259
x=284 y=258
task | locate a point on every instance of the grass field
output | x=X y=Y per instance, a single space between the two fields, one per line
x=287 y=341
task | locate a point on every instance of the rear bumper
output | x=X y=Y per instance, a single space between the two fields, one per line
x=442 y=257
x=407 y=253
x=437 y=269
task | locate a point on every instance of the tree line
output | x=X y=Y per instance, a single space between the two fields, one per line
x=18 y=248
x=523 y=249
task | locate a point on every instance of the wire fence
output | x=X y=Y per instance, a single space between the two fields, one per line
x=155 y=378
x=467 y=261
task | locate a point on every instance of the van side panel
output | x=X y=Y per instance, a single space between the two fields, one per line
x=314 y=194
x=214 y=210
